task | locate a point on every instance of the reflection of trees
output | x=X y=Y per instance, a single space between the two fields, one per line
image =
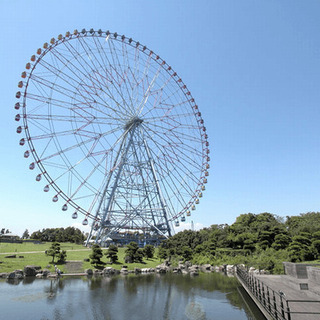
x=208 y=282
x=28 y=280
x=169 y=296
x=55 y=286
x=14 y=281
x=165 y=293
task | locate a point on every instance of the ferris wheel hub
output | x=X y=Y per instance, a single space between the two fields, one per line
x=133 y=122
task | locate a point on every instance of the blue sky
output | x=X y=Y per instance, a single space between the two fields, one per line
x=252 y=66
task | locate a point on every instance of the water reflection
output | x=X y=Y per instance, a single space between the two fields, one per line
x=146 y=296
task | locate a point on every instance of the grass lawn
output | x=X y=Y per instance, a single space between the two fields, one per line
x=74 y=252
x=30 y=247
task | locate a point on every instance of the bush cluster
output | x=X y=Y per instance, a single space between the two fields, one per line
x=262 y=240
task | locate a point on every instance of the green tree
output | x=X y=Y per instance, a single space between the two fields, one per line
x=306 y=222
x=148 y=251
x=300 y=249
x=186 y=253
x=26 y=234
x=281 y=241
x=162 y=253
x=62 y=255
x=112 y=253
x=54 y=250
x=134 y=253
x=96 y=256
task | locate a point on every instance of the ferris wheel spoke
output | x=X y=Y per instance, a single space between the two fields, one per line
x=61 y=91
x=109 y=75
x=176 y=139
x=70 y=148
x=168 y=174
x=85 y=179
x=175 y=160
x=124 y=77
x=92 y=55
x=147 y=93
x=77 y=75
x=90 y=77
x=120 y=75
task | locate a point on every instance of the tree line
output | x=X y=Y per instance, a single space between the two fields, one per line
x=69 y=234
x=132 y=254
x=263 y=240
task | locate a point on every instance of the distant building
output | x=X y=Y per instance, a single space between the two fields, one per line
x=9 y=237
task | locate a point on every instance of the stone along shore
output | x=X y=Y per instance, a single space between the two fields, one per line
x=182 y=268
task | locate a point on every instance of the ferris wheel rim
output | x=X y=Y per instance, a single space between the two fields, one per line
x=164 y=66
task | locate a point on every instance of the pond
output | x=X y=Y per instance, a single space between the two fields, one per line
x=131 y=297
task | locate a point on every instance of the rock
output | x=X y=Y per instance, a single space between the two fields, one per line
x=44 y=272
x=218 y=268
x=230 y=268
x=264 y=271
x=177 y=270
x=252 y=269
x=137 y=270
x=11 y=256
x=109 y=271
x=34 y=266
x=3 y=275
x=86 y=260
x=89 y=272
x=39 y=276
x=206 y=268
x=97 y=272
x=17 y=274
x=124 y=271
x=30 y=271
x=162 y=268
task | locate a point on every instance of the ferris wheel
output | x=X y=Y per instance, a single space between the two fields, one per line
x=113 y=133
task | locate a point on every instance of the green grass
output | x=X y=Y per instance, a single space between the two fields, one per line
x=29 y=247
x=74 y=252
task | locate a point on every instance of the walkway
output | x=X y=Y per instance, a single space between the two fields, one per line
x=282 y=296
x=297 y=298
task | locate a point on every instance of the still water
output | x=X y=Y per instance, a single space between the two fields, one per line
x=151 y=297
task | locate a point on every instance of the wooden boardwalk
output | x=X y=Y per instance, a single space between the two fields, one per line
x=283 y=297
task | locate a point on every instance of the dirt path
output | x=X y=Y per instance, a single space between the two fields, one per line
x=74 y=266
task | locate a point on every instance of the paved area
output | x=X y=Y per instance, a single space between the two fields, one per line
x=296 y=294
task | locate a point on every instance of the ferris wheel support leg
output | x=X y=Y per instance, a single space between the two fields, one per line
x=114 y=187
x=163 y=204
